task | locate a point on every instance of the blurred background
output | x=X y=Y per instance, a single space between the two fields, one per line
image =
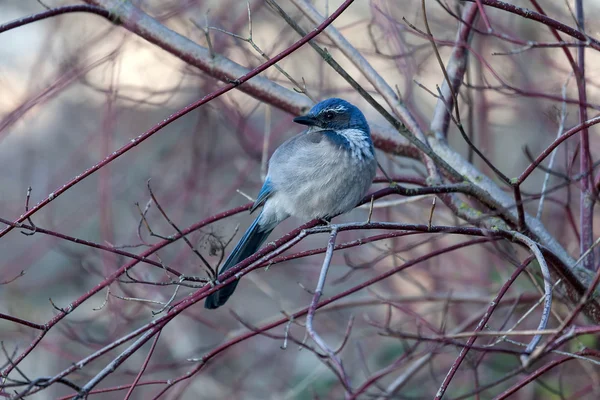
x=75 y=88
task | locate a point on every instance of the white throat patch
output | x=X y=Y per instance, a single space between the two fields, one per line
x=360 y=146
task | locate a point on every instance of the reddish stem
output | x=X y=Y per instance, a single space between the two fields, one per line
x=54 y=12
x=553 y=146
x=542 y=370
x=482 y=322
x=529 y=14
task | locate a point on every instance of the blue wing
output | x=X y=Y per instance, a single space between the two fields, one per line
x=263 y=195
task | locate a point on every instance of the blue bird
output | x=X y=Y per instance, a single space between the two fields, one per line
x=320 y=173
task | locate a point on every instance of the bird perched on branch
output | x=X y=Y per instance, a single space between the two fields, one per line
x=320 y=173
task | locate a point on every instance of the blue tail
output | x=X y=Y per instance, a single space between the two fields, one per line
x=248 y=245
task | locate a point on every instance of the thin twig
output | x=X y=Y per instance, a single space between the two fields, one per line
x=313 y=308
x=561 y=129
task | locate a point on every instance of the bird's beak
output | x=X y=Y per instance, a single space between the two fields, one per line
x=305 y=120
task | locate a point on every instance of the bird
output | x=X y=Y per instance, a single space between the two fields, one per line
x=320 y=173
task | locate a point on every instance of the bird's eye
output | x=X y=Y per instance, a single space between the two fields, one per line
x=328 y=116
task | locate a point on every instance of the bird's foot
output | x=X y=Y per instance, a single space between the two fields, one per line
x=326 y=220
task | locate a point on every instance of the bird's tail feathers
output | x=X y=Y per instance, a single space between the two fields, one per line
x=254 y=237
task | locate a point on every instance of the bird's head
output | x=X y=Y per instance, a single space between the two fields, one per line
x=334 y=114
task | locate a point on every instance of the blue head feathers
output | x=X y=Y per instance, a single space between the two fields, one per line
x=335 y=114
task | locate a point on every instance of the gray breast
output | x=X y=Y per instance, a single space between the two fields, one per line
x=316 y=178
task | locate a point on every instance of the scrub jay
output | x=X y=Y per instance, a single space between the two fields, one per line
x=320 y=173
